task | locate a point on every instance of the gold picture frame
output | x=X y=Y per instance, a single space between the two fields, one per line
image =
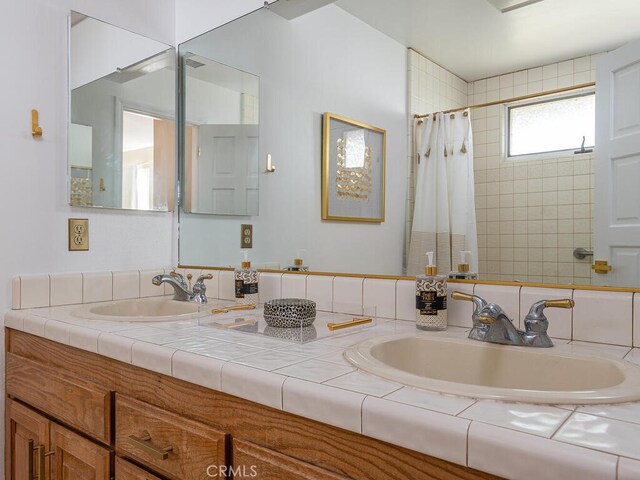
x=353 y=170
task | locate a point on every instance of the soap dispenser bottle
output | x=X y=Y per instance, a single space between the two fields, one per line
x=246 y=283
x=298 y=265
x=431 y=298
x=463 y=272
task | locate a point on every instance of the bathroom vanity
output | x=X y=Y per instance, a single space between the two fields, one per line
x=78 y=415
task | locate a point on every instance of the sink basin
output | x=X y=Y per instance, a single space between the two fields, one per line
x=482 y=370
x=141 y=310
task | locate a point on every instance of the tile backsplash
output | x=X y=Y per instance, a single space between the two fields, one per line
x=599 y=316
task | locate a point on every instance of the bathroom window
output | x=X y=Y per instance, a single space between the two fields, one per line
x=557 y=125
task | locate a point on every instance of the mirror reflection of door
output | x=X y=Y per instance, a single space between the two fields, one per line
x=617 y=197
x=148 y=146
x=227 y=161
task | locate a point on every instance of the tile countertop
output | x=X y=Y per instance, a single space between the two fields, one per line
x=512 y=440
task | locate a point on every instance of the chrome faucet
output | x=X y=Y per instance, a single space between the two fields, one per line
x=492 y=324
x=181 y=290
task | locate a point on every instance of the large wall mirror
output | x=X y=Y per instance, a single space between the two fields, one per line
x=122 y=118
x=533 y=185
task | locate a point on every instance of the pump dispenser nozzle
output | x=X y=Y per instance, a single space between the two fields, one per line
x=245 y=263
x=430 y=268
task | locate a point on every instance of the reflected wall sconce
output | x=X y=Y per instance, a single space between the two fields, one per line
x=36 y=129
x=270 y=166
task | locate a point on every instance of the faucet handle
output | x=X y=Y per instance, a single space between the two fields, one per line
x=478 y=301
x=204 y=277
x=536 y=321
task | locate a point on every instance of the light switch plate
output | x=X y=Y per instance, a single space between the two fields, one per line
x=78 y=234
x=246 y=236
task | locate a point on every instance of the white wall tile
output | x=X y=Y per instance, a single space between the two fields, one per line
x=459 y=311
x=226 y=285
x=294 y=286
x=406 y=300
x=15 y=293
x=270 y=286
x=34 y=291
x=516 y=461
x=604 y=317
x=337 y=407
x=212 y=284
x=508 y=297
x=431 y=433
x=126 y=285
x=97 y=287
x=347 y=295
x=148 y=289
x=252 y=384
x=320 y=290
x=198 y=369
x=66 y=289
x=560 y=319
x=156 y=358
x=381 y=294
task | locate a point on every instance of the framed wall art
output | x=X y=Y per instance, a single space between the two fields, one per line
x=353 y=170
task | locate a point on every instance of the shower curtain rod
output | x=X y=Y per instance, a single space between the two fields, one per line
x=514 y=99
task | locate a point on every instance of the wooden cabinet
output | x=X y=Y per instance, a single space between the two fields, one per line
x=37 y=448
x=88 y=409
x=172 y=445
x=252 y=461
x=128 y=471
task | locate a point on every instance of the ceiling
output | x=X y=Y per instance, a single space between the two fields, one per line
x=474 y=40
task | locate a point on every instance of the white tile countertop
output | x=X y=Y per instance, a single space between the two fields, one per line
x=512 y=440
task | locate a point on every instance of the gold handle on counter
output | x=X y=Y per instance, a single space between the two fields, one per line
x=564 y=303
x=144 y=443
x=233 y=308
x=350 y=323
x=462 y=296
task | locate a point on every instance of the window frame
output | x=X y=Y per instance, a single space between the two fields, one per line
x=525 y=103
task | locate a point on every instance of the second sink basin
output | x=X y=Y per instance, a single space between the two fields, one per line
x=482 y=370
x=140 y=310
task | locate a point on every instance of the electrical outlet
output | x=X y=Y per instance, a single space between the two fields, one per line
x=78 y=234
x=246 y=236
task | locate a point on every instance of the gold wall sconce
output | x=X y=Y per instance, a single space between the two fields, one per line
x=36 y=129
x=270 y=166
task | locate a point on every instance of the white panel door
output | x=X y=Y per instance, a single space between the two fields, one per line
x=227 y=181
x=617 y=168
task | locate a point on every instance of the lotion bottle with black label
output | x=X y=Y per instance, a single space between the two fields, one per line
x=431 y=298
x=246 y=283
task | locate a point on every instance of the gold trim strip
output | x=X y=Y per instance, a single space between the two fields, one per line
x=233 y=308
x=515 y=99
x=561 y=286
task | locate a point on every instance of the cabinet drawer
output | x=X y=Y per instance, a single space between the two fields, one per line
x=128 y=471
x=173 y=446
x=252 y=461
x=74 y=401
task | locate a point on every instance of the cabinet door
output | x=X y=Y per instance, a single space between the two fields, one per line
x=26 y=435
x=128 y=471
x=76 y=458
x=252 y=461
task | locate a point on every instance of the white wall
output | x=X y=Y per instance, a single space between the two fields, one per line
x=326 y=61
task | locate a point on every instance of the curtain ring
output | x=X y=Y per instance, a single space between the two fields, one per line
x=452 y=116
x=466 y=113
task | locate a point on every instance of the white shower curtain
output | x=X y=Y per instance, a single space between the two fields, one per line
x=444 y=217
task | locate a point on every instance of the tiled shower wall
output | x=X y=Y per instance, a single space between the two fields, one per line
x=431 y=89
x=532 y=213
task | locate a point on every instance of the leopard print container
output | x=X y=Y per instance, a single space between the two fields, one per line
x=289 y=312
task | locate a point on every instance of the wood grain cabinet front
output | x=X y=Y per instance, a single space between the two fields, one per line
x=252 y=461
x=37 y=448
x=128 y=471
x=175 y=447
